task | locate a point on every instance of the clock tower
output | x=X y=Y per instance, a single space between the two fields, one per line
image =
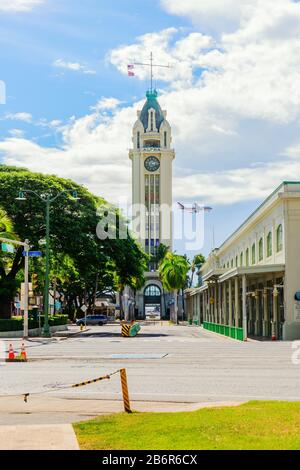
x=152 y=159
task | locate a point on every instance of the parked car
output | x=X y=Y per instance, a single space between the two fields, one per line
x=93 y=320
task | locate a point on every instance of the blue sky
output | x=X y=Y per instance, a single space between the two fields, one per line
x=232 y=95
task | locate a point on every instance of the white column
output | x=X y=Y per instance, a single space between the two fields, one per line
x=230 y=304
x=244 y=285
x=237 y=301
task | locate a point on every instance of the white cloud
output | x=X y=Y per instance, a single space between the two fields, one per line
x=73 y=66
x=18 y=5
x=18 y=133
x=244 y=109
x=183 y=55
x=25 y=117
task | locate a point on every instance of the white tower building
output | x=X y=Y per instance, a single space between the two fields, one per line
x=152 y=158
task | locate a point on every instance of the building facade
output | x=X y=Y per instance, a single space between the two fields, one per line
x=252 y=281
x=152 y=160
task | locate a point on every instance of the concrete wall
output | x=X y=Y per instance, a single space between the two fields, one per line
x=32 y=333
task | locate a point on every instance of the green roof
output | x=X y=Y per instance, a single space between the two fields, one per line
x=152 y=103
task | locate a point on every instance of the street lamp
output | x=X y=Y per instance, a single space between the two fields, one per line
x=47 y=200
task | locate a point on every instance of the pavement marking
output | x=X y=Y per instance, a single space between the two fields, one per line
x=137 y=356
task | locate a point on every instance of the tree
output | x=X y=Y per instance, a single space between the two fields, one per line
x=197 y=263
x=79 y=253
x=173 y=271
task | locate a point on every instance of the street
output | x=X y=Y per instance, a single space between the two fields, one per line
x=165 y=365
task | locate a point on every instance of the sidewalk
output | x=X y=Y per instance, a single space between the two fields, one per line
x=38 y=437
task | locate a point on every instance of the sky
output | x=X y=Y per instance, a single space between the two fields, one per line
x=232 y=95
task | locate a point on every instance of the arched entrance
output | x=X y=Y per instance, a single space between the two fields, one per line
x=153 y=302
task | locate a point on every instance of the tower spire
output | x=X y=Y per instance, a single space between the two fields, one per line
x=152 y=65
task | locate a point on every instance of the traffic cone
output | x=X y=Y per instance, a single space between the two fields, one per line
x=23 y=353
x=11 y=353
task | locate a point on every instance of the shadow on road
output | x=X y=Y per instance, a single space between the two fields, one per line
x=108 y=334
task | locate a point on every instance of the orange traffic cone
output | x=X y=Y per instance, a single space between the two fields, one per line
x=11 y=353
x=23 y=353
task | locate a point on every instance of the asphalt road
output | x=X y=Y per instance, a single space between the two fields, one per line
x=176 y=364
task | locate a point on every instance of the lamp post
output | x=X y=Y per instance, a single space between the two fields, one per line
x=47 y=200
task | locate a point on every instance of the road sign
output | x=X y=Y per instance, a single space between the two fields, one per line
x=33 y=254
x=84 y=308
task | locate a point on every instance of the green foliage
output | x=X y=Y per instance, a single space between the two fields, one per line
x=77 y=255
x=173 y=271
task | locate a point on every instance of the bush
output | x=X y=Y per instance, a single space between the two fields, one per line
x=16 y=323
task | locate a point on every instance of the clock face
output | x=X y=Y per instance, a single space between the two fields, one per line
x=152 y=164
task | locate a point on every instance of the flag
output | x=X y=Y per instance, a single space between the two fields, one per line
x=130 y=68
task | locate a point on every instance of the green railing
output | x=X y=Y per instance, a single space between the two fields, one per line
x=229 y=331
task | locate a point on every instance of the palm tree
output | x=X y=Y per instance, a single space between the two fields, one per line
x=6 y=226
x=173 y=271
x=197 y=263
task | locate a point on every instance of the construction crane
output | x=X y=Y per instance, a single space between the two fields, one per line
x=195 y=208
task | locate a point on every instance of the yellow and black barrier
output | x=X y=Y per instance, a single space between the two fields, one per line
x=130 y=330
x=89 y=382
x=126 y=331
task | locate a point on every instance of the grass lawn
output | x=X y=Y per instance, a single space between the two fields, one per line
x=255 y=425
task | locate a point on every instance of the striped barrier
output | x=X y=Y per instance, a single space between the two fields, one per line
x=130 y=330
x=126 y=331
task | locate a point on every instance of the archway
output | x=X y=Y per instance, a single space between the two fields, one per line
x=153 y=302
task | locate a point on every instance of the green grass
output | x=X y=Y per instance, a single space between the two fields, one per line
x=255 y=425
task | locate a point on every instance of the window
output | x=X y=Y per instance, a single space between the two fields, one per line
x=247 y=257
x=269 y=244
x=236 y=261
x=152 y=121
x=241 y=259
x=228 y=265
x=152 y=291
x=253 y=253
x=232 y=263
x=261 y=250
x=165 y=139
x=138 y=140
x=279 y=238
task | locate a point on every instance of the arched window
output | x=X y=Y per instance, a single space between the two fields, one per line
x=279 y=238
x=232 y=263
x=165 y=139
x=241 y=259
x=236 y=261
x=261 y=250
x=152 y=291
x=253 y=253
x=269 y=244
x=247 y=257
x=138 y=140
